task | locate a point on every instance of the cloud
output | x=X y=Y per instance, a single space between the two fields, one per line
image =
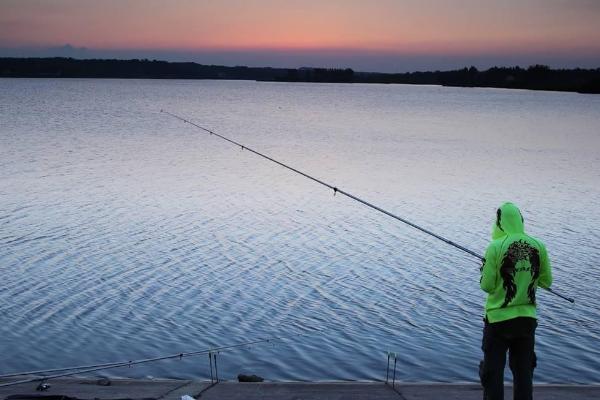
x=53 y=51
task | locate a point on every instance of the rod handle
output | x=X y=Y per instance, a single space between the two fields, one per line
x=569 y=299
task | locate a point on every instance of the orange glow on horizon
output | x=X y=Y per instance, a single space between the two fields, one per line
x=409 y=26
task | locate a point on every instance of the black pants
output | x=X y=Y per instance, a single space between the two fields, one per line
x=517 y=336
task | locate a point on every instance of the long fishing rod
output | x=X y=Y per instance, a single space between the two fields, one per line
x=82 y=369
x=353 y=197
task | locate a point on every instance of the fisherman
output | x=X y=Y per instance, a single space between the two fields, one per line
x=515 y=264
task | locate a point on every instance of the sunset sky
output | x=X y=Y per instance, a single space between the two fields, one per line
x=377 y=35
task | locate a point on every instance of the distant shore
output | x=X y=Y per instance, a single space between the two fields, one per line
x=537 y=77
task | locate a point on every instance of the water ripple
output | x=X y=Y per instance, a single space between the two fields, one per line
x=127 y=235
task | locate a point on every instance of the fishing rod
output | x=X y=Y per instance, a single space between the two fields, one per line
x=82 y=369
x=351 y=196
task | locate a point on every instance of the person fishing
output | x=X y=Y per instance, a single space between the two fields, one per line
x=515 y=264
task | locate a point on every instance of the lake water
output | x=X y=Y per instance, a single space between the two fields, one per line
x=125 y=233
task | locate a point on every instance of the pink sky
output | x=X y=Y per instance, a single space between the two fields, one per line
x=452 y=28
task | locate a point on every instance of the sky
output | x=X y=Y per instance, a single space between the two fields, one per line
x=375 y=35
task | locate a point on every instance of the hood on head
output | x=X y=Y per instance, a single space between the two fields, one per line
x=508 y=220
x=497 y=233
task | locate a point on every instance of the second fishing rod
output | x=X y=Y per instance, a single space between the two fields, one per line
x=347 y=194
x=42 y=375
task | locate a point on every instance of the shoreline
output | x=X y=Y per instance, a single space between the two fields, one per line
x=536 y=77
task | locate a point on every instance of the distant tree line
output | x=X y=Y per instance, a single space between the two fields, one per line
x=537 y=77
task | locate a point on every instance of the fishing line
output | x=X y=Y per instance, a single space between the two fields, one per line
x=347 y=194
x=98 y=367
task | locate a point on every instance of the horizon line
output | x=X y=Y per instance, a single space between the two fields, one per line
x=465 y=66
x=359 y=59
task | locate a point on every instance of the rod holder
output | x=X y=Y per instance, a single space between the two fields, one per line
x=214 y=371
x=211 y=368
x=391 y=356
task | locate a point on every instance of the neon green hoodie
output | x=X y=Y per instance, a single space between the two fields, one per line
x=515 y=264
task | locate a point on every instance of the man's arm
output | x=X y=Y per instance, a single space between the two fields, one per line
x=489 y=270
x=545 y=279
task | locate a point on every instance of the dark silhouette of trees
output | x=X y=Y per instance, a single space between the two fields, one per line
x=538 y=77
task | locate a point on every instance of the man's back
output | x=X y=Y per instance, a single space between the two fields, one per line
x=515 y=264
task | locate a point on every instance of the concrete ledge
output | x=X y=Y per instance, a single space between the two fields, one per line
x=119 y=388
x=173 y=390
x=380 y=391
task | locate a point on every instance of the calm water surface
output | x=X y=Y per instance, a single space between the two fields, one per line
x=125 y=233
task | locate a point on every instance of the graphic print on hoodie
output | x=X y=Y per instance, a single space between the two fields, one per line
x=515 y=264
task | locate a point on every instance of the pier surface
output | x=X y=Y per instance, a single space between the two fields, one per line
x=174 y=389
